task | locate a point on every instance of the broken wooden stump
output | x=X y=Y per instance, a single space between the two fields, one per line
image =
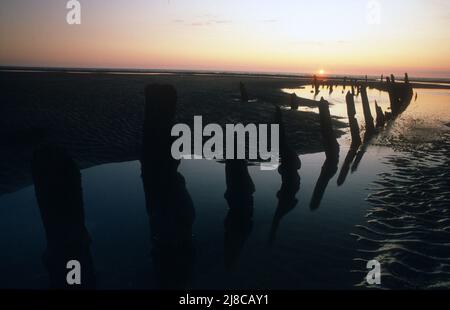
x=354 y=126
x=316 y=85
x=293 y=102
x=356 y=139
x=366 y=110
x=392 y=79
x=244 y=94
x=380 y=121
x=326 y=127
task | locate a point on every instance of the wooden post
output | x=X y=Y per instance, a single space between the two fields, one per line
x=244 y=94
x=366 y=109
x=316 y=85
x=354 y=126
x=380 y=116
x=294 y=102
x=328 y=135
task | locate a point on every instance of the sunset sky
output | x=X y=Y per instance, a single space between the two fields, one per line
x=234 y=35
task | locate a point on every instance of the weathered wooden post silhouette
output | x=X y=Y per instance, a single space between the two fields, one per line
x=294 y=102
x=370 y=129
x=57 y=182
x=356 y=139
x=168 y=203
x=326 y=128
x=392 y=79
x=351 y=113
x=316 y=85
x=244 y=94
x=380 y=121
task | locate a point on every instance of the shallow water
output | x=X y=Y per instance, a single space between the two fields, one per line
x=326 y=248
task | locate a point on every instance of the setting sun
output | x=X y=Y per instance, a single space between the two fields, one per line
x=321 y=72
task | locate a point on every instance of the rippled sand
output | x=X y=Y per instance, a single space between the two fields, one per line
x=408 y=226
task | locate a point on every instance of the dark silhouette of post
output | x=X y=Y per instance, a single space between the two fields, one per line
x=392 y=79
x=366 y=110
x=326 y=127
x=294 y=102
x=331 y=146
x=290 y=179
x=168 y=203
x=244 y=94
x=380 y=116
x=406 y=78
x=356 y=139
x=239 y=221
x=316 y=85
x=351 y=113
x=57 y=182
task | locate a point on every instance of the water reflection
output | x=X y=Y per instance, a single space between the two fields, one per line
x=57 y=182
x=290 y=179
x=169 y=204
x=332 y=149
x=239 y=196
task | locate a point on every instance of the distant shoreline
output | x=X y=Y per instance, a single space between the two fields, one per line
x=418 y=82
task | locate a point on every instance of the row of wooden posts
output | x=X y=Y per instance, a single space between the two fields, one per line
x=171 y=212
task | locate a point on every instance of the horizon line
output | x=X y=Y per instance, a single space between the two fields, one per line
x=210 y=71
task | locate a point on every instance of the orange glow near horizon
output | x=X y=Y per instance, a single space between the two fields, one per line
x=256 y=35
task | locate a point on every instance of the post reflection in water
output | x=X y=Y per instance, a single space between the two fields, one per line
x=169 y=204
x=57 y=182
x=239 y=221
x=290 y=179
x=331 y=146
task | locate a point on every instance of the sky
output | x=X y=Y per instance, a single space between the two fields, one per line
x=292 y=36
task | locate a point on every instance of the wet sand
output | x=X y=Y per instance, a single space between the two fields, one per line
x=98 y=117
